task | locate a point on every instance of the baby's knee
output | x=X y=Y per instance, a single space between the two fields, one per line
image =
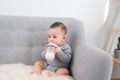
x=39 y=63
x=64 y=71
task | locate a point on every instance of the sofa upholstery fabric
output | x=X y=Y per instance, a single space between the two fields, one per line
x=22 y=38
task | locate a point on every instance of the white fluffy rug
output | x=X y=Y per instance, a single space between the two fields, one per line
x=22 y=72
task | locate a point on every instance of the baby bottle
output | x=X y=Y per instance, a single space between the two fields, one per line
x=50 y=53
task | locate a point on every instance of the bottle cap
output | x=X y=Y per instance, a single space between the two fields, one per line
x=52 y=44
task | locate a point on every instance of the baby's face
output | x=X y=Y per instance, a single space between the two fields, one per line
x=56 y=36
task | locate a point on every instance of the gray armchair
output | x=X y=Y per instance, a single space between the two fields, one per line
x=23 y=38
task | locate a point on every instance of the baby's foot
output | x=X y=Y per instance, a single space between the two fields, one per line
x=49 y=74
x=33 y=72
x=56 y=74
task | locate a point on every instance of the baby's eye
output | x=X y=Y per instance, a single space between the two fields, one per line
x=49 y=36
x=54 y=36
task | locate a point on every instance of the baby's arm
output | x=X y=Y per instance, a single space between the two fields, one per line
x=43 y=55
x=65 y=54
x=44 y=52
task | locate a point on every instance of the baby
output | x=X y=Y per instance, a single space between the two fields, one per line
x=59 y=65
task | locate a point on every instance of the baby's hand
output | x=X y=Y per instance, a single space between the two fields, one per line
x=46 y=46
x=58 y=48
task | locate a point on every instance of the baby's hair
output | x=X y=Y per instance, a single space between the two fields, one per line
x=61 y=25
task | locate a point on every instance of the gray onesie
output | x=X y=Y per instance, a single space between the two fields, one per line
x=61 y=60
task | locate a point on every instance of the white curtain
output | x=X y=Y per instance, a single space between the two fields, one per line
x=113 y=40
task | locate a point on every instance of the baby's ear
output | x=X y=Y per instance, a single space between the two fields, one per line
x=64 y=37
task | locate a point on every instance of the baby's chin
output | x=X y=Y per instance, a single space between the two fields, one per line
x=60 y=45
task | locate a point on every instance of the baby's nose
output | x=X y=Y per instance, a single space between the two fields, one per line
x=52 y=40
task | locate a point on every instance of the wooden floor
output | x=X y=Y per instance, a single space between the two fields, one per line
x=115 y=79
x=116 y=60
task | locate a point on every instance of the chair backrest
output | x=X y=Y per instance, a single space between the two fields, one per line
x=23 y=38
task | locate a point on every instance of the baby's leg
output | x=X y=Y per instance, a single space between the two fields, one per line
x=38 y=67
x=62 y=71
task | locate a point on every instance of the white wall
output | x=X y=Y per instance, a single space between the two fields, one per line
x=91 y=12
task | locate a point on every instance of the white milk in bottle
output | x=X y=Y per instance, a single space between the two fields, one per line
x=50 y=53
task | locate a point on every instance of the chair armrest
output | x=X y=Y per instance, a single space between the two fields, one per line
x=91 y=63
